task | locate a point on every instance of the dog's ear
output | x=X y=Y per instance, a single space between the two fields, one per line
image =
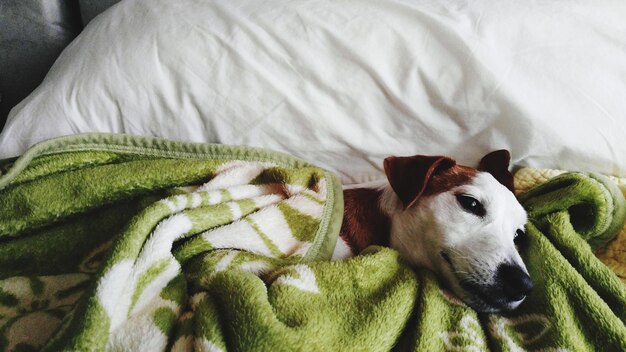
x=497 y=164
x=409 y=176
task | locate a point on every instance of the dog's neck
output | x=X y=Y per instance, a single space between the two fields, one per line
x=365 y=223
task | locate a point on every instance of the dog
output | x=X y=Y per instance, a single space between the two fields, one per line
x=462 y=223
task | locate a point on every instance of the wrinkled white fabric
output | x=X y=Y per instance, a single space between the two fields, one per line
x=345 y=83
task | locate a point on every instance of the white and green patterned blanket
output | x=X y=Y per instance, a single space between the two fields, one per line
x=112 y=242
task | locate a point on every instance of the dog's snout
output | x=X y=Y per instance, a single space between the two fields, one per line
x=516 y=284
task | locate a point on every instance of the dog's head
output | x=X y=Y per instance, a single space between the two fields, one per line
x=465 y=224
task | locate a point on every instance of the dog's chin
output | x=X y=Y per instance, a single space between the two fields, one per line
x=488 y=303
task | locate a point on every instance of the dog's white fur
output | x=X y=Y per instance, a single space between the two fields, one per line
x=475 y=246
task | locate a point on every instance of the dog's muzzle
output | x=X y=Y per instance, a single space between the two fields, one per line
x=516 y=284
x=510 y=286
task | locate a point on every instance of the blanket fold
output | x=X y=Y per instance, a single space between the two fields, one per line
x=112 y=242
x=95 y=231
x=595 y=204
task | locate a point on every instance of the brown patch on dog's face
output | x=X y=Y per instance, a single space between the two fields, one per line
x=445 y=180
x=417 y=176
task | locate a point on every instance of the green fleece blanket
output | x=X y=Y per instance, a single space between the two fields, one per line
x=112 y=242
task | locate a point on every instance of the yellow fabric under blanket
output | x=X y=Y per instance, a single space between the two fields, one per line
x=614 y=253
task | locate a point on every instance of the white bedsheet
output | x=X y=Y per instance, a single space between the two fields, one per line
x=346 y=83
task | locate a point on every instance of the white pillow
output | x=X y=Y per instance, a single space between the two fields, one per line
x=345 y=83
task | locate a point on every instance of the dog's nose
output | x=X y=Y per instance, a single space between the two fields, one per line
x=516 y=284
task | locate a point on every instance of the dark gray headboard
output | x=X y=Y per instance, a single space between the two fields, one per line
x=32 y=35
x=92 y=8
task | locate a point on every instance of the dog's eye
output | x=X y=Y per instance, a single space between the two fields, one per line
x=519 y=236
x=471 y=204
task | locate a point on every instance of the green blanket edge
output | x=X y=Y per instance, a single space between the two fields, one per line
x=327 y=233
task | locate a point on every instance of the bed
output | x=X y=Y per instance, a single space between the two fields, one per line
x=164 y=110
